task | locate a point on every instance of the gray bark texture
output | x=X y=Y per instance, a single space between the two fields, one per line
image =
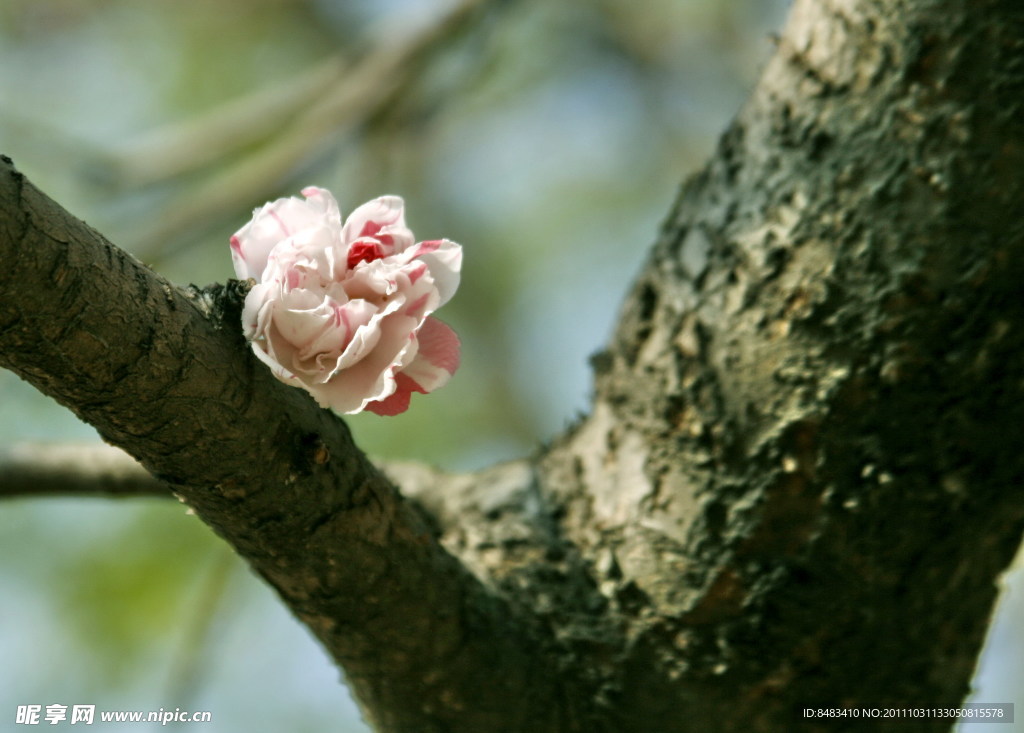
x=798 y=483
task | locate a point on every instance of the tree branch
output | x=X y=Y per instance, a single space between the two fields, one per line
x=802 y=462
x=86 y=469
x=165 y=374
x=800 y=477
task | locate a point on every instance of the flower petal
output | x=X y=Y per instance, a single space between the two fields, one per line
x=383 y=220
x=343 y=309
x=398 y=401
x=373 y=376
x=322 y=201
x=279 y=371
x=437 y=357
x=444 y=260
x=276 y=222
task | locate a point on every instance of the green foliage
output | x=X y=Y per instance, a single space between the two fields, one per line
x=144 y=577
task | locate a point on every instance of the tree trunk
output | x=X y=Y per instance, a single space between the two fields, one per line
x=800 y=477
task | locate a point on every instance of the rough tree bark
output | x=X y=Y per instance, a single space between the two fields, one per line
x=800 y=476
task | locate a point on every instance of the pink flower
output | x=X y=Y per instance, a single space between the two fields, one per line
x=343 y=310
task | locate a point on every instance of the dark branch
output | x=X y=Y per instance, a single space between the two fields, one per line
x=801 y=475
x=165 y=374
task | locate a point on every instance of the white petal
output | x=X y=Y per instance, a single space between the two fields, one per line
x=383 y=219
x=444 y=259
x=372 y=377
x=277 y=222
x=323 y=201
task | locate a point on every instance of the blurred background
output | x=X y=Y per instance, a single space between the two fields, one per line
x=549 y=139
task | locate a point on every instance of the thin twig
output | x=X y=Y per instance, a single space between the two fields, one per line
x=189 y=145
x=368 y=88
x=62 y=469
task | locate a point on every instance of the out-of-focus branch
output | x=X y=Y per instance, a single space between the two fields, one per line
x=78 y=469
x=198 y=141
x=318 y=119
